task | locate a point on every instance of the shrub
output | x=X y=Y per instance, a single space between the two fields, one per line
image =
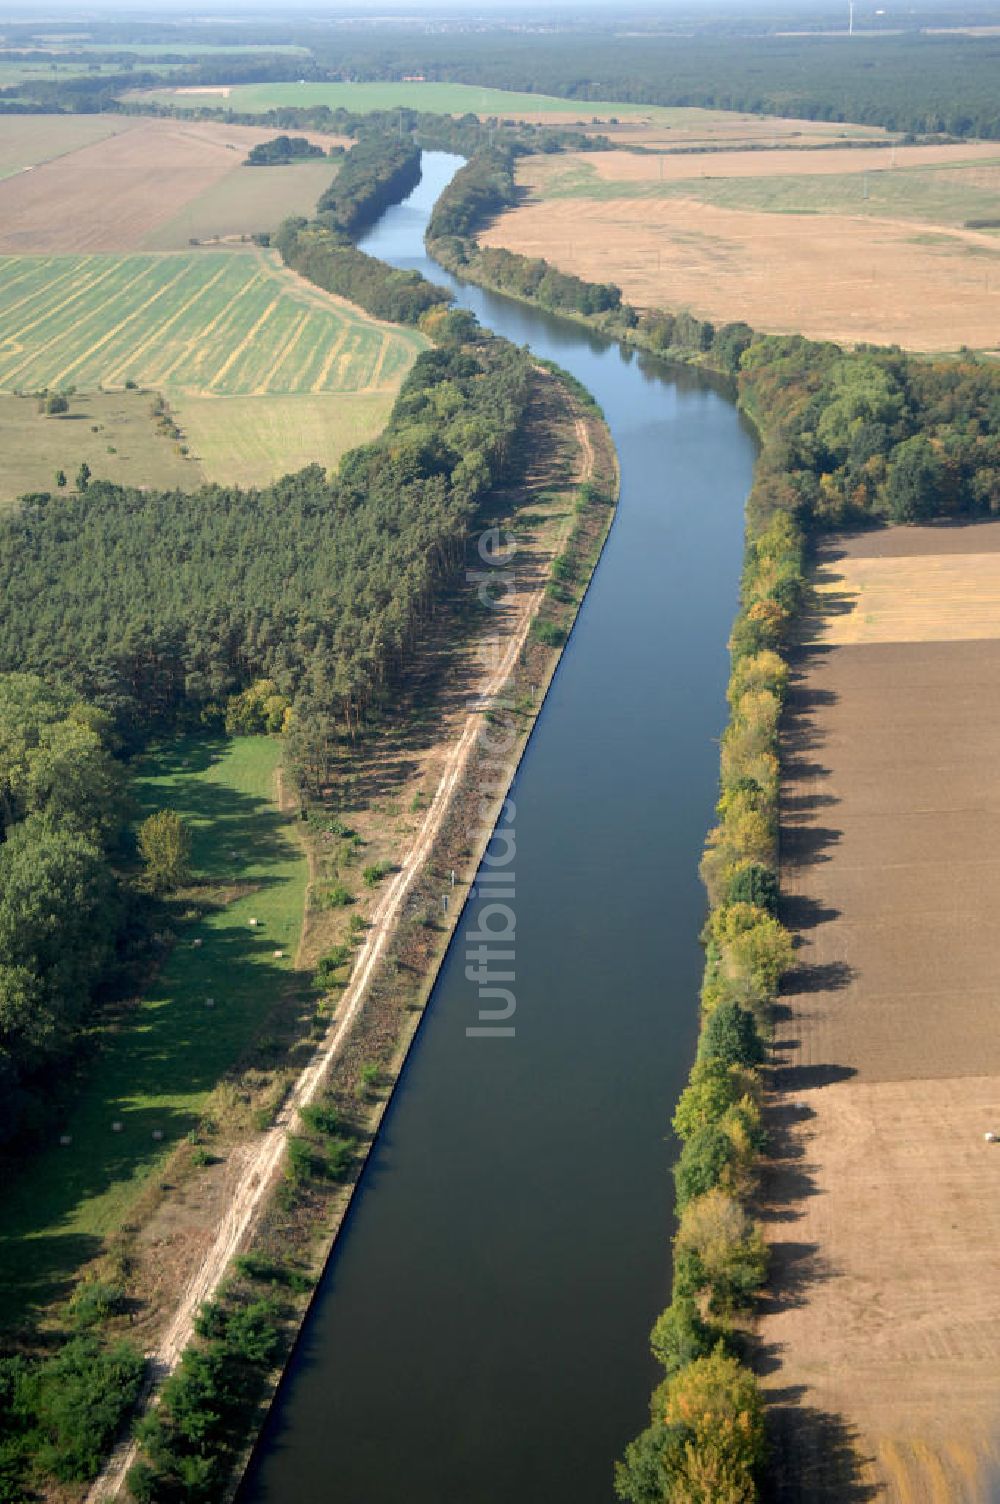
x=79 y=1399
x=731 y=1035
x=714 y=1087
x=94 y=1301
x=718 y=1251
x=336 y=897
x=319 y=1118
x=548 y=633
x=753 y=883
x=680 y=1335
x=327 y=966
x=703 y=1163
x=373 y=875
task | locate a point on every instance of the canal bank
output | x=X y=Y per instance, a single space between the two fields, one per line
x=480 y=1330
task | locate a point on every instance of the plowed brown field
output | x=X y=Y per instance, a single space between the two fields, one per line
x=881 y=1341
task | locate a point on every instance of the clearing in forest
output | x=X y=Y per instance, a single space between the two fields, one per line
x=881 y=1336
x=886 y=245
x=154 y=1072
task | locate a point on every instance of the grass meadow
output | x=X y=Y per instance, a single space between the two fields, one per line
x=154 y=1071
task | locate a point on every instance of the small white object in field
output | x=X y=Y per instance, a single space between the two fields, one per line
x=233 y=855
x=253 y=924
x=197 y=943
x=65 y=1139
x=278 y=954
x=210 y=1002
x=116 y=1127
x=157 y=1134
x=990 y=1138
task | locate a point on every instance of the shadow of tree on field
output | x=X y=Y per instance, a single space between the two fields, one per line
x=815 y=1455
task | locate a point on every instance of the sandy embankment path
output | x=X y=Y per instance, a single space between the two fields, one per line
x=262 y=1160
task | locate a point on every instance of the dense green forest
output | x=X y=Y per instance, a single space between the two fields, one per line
x=62 y=812
x=376 y=172
x=911 y=82
x=159 y=605
x=282 y=150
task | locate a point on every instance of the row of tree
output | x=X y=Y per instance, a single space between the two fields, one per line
x=706 y=1437
x=378 y=171
x=62 y=814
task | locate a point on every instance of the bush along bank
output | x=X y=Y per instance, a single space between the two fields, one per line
x=706 y=1438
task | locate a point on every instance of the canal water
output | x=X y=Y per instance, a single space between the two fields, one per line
x=480 y=1333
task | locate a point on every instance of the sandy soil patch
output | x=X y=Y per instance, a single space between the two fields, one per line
x=831 y=276
x=112 y=194
x=881 y=1341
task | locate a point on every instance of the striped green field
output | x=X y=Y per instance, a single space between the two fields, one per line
x=212 y=324
x=442 y=99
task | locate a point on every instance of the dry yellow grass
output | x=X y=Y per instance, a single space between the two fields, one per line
x=830 y=276
x=935 y=598
x=250 y=441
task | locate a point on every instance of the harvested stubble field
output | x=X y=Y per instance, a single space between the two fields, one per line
x=128 y=190
x=881 y=1340
x=208 y=328
x=213 y=323
x=836 y=245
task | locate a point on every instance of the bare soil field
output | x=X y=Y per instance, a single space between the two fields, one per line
x=114 y=194
x=880 y=1344
x=849 y=278
x=634 y=167
x=27 y=140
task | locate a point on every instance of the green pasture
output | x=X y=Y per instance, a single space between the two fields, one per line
x=154 y=1072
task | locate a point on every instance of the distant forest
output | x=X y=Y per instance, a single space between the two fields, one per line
x=913 y=82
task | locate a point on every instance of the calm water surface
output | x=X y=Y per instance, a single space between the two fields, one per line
x=479 y=1336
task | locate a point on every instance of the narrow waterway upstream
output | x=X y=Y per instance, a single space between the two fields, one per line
x=479 y=1336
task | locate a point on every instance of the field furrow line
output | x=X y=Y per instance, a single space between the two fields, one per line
x=319 y=385
x=75 y=295
x=112 y=333
x=158 y=333
x=376 y=375
x=39 y=288
x=201 y=336
x=283 y=354
x=77 y=324
x=243 y=345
